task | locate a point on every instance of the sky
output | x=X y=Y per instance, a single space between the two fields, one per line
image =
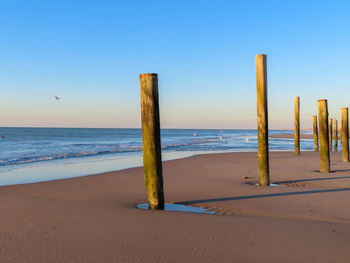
x=90 y=53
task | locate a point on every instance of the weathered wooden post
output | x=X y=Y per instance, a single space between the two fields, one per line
x=335 y=130
x=344 y=136
x=152 y=159
x=324 y=140
x=315 y=128
x=263 y=136
x=330 y=136
x=296 y=126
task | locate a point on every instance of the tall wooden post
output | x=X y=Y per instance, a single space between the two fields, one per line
x=296 y=125
x=330 y=136
x=345 y=133
x=263 y=145
x=335 y=130
x=152 y=159
x=315 y=128
x=324 y=140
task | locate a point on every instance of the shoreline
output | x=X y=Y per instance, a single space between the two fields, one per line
x=72 y=168
x=66 y=169
x=93 y=157
x=94 y=218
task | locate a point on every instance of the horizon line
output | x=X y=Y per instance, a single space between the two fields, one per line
x=138 y=128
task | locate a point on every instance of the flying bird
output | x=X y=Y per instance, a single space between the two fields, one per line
x=57 y=98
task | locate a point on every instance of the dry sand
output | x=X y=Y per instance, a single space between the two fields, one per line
x=94 y=219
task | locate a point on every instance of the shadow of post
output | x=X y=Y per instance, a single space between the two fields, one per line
x=231 y=198
x=314 y=179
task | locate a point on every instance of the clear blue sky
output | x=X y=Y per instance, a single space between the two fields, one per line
x=91 y=52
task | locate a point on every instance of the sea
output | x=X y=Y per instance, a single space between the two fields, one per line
x=30 y=155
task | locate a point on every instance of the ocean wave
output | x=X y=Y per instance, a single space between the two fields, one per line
x=58 y=156
x=96 y=149
x=46 y=149
x=78 y=150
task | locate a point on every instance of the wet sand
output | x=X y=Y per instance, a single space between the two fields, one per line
x=94 y=219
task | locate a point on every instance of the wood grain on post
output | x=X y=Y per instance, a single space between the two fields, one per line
x=330 y=136
x=335 y=130
x=296 y=125
x=315 y=128
x=323 y=135
x=344 y=136
x=152 y=159
x=263 y=145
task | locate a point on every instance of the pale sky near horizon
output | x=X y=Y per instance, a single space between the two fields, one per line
x=90 y=53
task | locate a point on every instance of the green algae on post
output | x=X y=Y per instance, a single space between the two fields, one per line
x=152 y=159
x=330 y=136
x=315 y=129
x=296 y=125
x=344 y=136
x=324 y=140
x=262 y=114
x=335 y=130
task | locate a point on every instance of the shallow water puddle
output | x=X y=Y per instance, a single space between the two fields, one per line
x=278 y=185
x=181 y=208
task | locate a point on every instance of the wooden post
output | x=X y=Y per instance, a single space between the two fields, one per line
x=263 y=144
x=330 y=136
x=345 y=133
x=152 y=159
x=296 y=126
x=335 y=130
x=315 y=128
x=324 y=140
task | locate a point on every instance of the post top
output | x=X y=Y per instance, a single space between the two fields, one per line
x=321 y=100
x=145 y=75
x=262 y=55
x=345 y=108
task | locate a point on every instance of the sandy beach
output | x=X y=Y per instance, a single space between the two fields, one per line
x=93 y=92
x=95 y=219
